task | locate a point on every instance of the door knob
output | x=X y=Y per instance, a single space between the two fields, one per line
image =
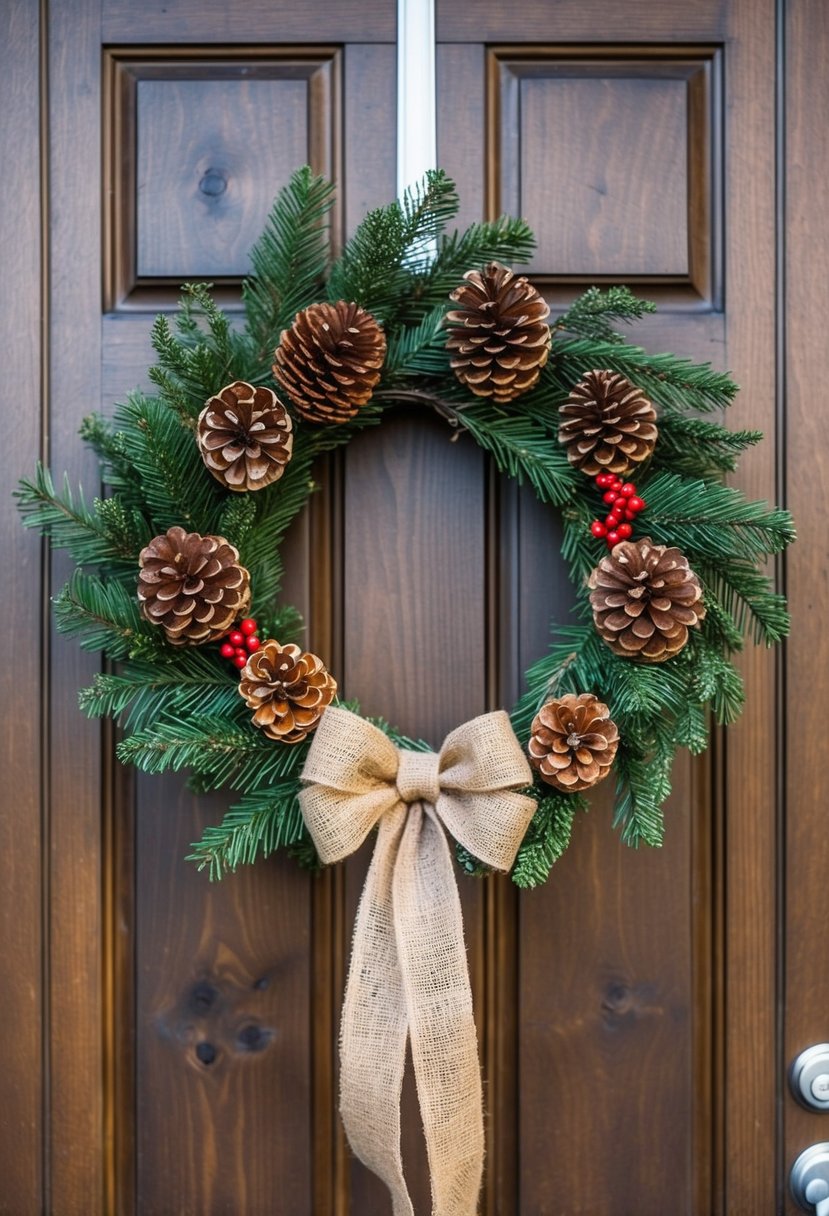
x=809 y=1077
x=809 y=1179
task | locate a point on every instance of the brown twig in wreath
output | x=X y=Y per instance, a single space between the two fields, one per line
x=412 y=396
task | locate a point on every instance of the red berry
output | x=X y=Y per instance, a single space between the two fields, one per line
x=628 y=489
x=609 y=497
x=616 y=483
x=598 y=528
x=252 y=644
x=236 y=638
x=227 y=651
x=602 y=481
x=625 y=531
x=613 y=519
x=635 y=504
x=248 y=625
x=630 y=514
x=240 y=661
x=612 y=539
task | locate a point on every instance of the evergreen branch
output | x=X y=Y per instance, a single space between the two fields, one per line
x=418 y=349
x=713 y=520
x=289 y=259
x=747 y=598
x=276 y=508
x=392 y=246
x=547 y=838
x=695 y=447
x=555 y=673
x=106 y=534
x=174 y=485
x=716 y=680
x=507 y=240
x=676 y=384
x=590 y=316
x=204 y=354
x=643 y=785
x=191 y=683
x=523 y=450
x=212 y=747
x=258 y=825
x=220 y=752
x=105 y=616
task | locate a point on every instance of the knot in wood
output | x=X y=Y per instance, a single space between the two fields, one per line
x=418 y=777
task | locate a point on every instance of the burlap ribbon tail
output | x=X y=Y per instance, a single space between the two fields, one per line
x=408 y=974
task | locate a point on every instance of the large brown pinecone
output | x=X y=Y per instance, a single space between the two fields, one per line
x=608 y=425
x=499 y=334
x=645 y=597
x=573 y=742
x=245 y=436
x=287 y=689
x=192 y=585
x=329 y=361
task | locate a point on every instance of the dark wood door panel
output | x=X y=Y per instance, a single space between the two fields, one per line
x=171 y=1046
x=621 y=1019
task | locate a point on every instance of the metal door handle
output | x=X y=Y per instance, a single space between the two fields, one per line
x=809 y=1180
x=809 y=1077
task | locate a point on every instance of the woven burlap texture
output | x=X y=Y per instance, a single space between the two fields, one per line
x=409 y=973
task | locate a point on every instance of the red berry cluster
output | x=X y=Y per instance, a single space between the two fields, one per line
x=241 y=642
x=623 y=504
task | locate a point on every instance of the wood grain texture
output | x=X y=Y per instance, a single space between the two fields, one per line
x=212 y=156
x=22 y=1081
x=581 y=21
x=196 y=148
x=626 y=140
x=753 y=1071
x=807 y=473
x=613 y=154
x=369 y=171
x=461 y=106
x=223 y=1103
x=255 y=21
x=75 y=909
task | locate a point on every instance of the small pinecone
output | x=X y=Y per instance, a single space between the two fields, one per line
x=500 y=337
x=329 y=361
x=645 y=597
x=244 y=436
x=287 y=689
x=573 y=742
x=192 y=585
x=608 y=425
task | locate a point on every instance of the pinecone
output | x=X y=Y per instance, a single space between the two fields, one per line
x=287 y=689
x=329 y=361
x=608 y=425
x=573 y=742
x=193 y=586
x=645 y=597
x=501 y=337
x=244 y=436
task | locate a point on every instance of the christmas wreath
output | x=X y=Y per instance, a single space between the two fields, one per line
x=178 y=578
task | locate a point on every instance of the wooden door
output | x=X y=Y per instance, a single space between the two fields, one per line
x=170 y=1046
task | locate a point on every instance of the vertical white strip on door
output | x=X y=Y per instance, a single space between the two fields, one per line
x=416 y=117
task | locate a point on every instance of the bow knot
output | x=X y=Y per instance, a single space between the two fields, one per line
x=409 y=975
x=418 y=776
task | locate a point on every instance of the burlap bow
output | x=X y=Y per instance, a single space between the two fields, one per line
x=408 y=971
